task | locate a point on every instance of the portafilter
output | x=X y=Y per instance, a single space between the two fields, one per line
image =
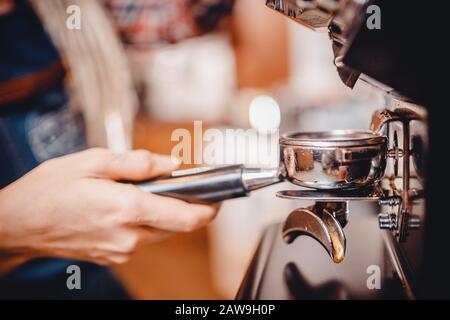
x=331 y=160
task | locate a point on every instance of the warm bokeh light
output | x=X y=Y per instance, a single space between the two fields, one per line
x=264 y=114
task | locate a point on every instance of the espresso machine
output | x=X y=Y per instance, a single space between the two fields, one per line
x=370 y=221
x=381 y=240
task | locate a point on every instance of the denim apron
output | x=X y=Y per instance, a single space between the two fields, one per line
x=34 y=129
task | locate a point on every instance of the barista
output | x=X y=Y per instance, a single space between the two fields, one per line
x=59 y=205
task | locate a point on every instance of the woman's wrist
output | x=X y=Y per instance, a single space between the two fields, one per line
x=11 y=239
x=12 y=253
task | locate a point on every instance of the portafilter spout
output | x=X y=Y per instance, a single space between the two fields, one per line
x=320 y=223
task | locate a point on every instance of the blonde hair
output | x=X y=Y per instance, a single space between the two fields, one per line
x=100 y=82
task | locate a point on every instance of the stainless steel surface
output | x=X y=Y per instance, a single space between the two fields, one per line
x=337 y=236
x=381 y=118
x=406 y=205
x=203 y=185
x=316 y=14
x=399 y=216
x=335 y=138
x=334 y=159
x=254 y=179
x=325 y=229
x=326 y=196
x=339 y=17
x=211 y=184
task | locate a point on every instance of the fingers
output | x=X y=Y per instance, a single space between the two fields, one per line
x=151 y=235
x=145 y=209
x=172 y=214
x=133 y=165
x=116 y=249
x=127 y=242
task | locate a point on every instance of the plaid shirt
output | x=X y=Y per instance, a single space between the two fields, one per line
x=149 y=22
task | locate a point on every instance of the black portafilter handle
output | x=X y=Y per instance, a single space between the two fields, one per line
x=210 y=184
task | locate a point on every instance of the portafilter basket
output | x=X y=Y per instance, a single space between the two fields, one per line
x=320 y=160
x=333 y=160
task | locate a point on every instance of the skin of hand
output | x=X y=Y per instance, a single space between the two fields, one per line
x=72 y=207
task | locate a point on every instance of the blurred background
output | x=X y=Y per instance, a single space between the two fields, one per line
x=215 y=78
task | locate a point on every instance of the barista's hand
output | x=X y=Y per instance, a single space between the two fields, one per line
x=71 y=207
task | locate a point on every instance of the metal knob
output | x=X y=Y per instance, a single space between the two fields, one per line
x=388 y=221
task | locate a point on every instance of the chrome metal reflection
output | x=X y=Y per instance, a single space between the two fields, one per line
x=320 y=224
x=333 y=159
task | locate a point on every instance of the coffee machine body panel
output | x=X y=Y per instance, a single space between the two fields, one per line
x=395 y=249
x=303 y=271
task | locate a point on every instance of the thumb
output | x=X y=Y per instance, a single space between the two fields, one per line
x=134 y=165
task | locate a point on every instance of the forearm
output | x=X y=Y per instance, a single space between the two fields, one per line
x=12 y=225
x=10 y=255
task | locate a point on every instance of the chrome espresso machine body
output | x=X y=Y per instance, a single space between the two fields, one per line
x=398 y=252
